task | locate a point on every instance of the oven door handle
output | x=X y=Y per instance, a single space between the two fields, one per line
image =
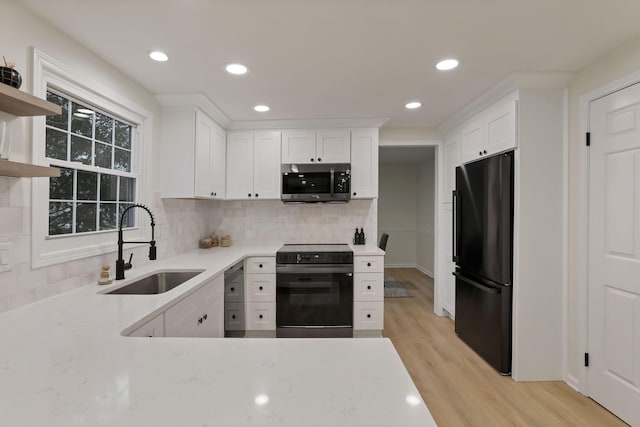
x=314 y=269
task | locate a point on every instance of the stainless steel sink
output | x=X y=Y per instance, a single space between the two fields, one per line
x=157 y=283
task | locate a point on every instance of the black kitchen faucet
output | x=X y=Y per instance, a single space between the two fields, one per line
x=121 y=266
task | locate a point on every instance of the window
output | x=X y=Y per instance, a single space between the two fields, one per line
x=94 y=152
x=102 y=144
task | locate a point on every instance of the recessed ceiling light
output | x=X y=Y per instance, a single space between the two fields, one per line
x=413 y=105
x=81 y=115
x=159 y=56
x=447 y=64
x=237 y=69
x=85 y=111
x=261 y=108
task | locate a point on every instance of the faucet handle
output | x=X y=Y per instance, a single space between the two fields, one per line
x=128 y=265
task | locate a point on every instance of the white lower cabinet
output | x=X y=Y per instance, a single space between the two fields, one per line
x=153 y=328
x=368 y=315
x=368 y=287
x=200 y=314
x=260 y=295
x=368 y=295
x=234 y=316
x=261 y=316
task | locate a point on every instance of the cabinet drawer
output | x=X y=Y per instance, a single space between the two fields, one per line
x=368 y=315
x=261 y=287
x=368 y=264
x=153 y=328
x=368 y=287
x=234 y=317
x=261 y=265
x=261 y=316
x=234 y=291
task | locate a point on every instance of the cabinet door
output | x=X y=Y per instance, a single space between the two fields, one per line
x=364 y=163
x=217 y=162
x=240 y=165
x=501 y=126
x=211 y=305
x=299 y=146
x=182 y=319
x=204 y=156
x=451 y=161
x=333 y=146
x=448 y=266
x=473 y=142
x=266 y=165
x=261 y=287
x=153 y=328
x=368 y=287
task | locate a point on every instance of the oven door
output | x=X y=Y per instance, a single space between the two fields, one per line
x=314 y=300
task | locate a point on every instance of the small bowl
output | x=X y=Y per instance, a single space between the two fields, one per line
x=10 y=77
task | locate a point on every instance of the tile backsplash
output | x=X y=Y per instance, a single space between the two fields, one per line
x=271 y=220
x=180 y=224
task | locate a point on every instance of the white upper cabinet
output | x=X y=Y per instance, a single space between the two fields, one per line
x=192 y=155
x=266 y=165
x=333 y=146
x=491 y=131
x=310 y=146
x=253 y=165
x=364 y=163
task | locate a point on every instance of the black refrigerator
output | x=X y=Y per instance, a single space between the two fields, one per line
x=483 y=253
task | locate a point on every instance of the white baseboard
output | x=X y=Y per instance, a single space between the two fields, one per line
x=573 y=382
x=416 y=266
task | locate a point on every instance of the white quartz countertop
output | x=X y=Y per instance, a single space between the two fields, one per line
x=64 y=362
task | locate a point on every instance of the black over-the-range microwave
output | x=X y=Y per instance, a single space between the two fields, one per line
x=304 y=183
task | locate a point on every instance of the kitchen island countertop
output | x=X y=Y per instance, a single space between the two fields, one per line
x=65 y=362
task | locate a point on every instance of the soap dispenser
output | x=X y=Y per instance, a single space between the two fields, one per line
x=362 y=237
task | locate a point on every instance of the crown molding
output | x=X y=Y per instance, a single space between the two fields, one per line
x=197 y=99
x=512 y=82
x=306 y=124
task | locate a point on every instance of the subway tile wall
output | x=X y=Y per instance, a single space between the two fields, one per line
x=180 y=224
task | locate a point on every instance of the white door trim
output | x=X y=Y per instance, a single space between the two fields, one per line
x=581 y=383
x=438 y=181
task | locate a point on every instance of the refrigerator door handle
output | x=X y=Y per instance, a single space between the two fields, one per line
x=483 y=288
x=453 y=226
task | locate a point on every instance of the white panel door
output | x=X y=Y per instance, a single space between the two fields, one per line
x=299 y=146
x=266 y=165
x=333 y=146
x=203 y=180
x=614 y=253
x=240 y=165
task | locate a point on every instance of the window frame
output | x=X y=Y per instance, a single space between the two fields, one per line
x=49 y=250
x=82 y=167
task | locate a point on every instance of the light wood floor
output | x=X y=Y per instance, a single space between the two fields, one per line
x=459 y=387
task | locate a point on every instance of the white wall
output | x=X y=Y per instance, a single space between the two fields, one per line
x=390 y=135
x=398 y=211
x=406 y=212
x=425 y=224
x=180 y=224
x=621 y=62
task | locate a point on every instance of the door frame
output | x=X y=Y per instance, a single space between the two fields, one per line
x=438 y=160
x=582 y=274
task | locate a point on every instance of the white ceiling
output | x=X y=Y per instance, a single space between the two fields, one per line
x=342 y=58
